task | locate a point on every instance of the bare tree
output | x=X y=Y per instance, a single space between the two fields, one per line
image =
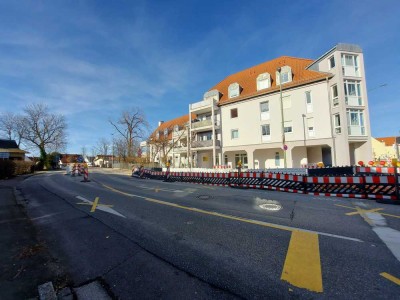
x=44 y=130
x=103 y=145
x=132 y=126
x=13 y=126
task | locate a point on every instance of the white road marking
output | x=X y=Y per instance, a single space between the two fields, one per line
x=102 y=208
x=390 y=237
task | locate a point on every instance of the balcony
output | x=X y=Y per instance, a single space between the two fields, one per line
x=350 y=71
x=353 y=101
x=203 y=106
x=356 y=130
x=179 y=134
x=180 y=149
x=205 y=144
x=205 y=124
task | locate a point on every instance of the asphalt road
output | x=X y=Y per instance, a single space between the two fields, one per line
x=152 y=239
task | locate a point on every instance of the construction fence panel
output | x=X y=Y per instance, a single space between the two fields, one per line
x=369 y=186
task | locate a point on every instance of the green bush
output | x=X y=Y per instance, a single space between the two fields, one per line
x=23 y=167
x=10 y=168
x=7 y=169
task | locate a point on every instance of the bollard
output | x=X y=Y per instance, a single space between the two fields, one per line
x=85 y=175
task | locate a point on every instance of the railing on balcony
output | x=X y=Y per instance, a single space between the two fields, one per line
x=354 y=101
x=208 y=143
x=201 y=104
x=180 y=149
x=203 y=123
x=356 y=130
x=351 y=71
x=179 y=134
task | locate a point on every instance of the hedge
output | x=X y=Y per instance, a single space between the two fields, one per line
x=10 y=168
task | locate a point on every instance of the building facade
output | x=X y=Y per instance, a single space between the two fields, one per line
x=287 y=112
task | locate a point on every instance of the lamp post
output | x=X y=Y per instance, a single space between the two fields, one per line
x=283 y=121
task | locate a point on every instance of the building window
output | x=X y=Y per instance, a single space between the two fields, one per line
x=335 y=95
x=336 y=124
x=286 y=102
x=165 y=132
x=285 y=75
x=288 y=127
x=355 y=121
x=243 y=158
x=234 y=134
x=158 y=135
x=309 y=106
x=264 y=109
x=331 y=62
x=265 y=132
x=350 y=65
x=176 y=128
x=263 y=81
x=226 y=160
x=234 y=90
x=352 y=92
x=277 y=159
x=205 y=136
x=310 y=127
x=234 y=113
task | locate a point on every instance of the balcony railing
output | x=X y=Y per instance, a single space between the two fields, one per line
x=201 y=123
x=350 y=71
x=180 y=149
x=203 y=144
x=354 y=101
x=201 y=104
x=356 y=130
x=179 y=134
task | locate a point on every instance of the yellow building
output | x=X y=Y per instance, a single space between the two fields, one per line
x=385 y=148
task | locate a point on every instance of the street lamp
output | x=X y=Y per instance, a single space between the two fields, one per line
x=283 y=121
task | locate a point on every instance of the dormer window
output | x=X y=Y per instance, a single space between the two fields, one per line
x=158 y=135
x=165 y=131
x=283 y=75
x=234 y=90
x=263 y=81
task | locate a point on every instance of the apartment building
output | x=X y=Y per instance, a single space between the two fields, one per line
x=287 y=112
x=169 y=142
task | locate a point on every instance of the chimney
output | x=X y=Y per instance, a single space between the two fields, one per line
x=160 y=122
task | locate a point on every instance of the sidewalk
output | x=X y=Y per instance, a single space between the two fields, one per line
x=25 y=262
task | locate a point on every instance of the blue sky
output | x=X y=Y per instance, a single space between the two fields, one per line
x=90 y=60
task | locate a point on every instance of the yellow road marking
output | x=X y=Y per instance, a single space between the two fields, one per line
x=391 y=278
x=86 y=203
x=96 y=200
x=383 y=214
x=363 y=211
x=303 y=264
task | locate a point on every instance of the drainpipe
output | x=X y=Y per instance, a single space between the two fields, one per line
x=331 y=120
x=213 y=129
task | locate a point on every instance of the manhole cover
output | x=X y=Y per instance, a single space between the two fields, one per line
x=271 y=206
x=203 y=197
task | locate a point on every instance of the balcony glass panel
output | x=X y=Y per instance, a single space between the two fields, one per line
x=356 y=130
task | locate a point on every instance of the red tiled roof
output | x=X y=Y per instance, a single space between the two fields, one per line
x=170 y=125
x=389 y=140
x=247 y=79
